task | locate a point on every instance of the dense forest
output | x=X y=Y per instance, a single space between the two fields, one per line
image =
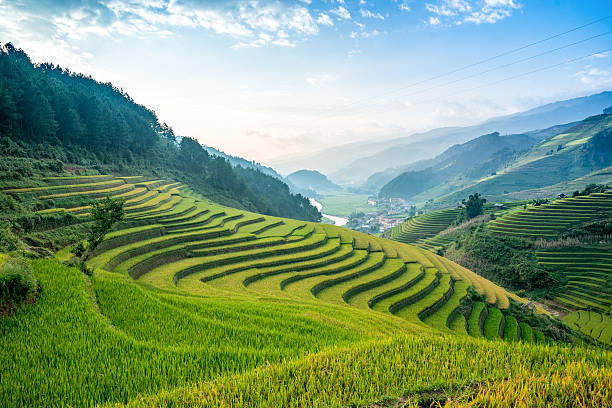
x=49 y=112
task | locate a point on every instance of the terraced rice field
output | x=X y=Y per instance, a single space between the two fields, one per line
x=549 y=220
x=418 y=229
x=179 y=242
x=186 y=291
x=589 y=274
x=593 y=324
x=424 y=230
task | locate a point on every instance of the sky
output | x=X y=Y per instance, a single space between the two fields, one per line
x=273 y=79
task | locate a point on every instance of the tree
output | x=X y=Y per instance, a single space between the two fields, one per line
x=105 y=214
x=473 y=207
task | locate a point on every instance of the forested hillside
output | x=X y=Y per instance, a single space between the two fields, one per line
x=47 y=112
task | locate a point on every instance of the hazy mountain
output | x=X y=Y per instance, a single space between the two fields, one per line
x=488 y=151
x=455 y=161
x=579 y=151
x=354 y=163
x=312 y=180
x=239 y=161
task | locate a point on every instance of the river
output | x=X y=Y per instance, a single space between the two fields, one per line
x=339 y=221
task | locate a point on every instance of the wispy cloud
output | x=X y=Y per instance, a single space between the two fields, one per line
x=470 y=11
x=252 y=23
x=595 y=77
x=319 y=81
x=341 y=12
x=369 y=14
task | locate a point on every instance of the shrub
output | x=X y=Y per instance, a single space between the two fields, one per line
x=8 y=239
x=17 y=282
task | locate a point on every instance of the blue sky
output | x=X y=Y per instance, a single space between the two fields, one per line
x=263 y=79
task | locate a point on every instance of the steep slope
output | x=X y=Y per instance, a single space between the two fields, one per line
x=581 y=150
x=199 y=291
x=455 y=161
x=51 y=113
x=484 y=156
x=239 y=161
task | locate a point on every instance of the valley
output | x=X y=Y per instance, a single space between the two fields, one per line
x=453 y=252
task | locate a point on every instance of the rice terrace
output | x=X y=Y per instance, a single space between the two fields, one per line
x=362 y=204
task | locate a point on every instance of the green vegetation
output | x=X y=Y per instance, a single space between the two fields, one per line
x=192 y=274
x=17 y=284
x=50 y=113
x=473 y=207
x=344 y=204
x=508 y=261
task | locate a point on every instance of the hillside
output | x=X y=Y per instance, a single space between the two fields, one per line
x=566 y=157
x=577 y=152
x=479 y=156
x=312 y=180
x=239 y=161
x=460 y=163
x=214 y=291
x=47 y=112
x=569 y=237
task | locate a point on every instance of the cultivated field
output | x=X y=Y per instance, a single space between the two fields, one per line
x=186 y=291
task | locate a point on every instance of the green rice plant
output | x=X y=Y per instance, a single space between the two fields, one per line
x=526 y=333
x=411 y=308
x=511 y=330
x=409 y=368
x=442 y=317
x=457 y=323
x=267 y=280
x=315 y=282
x=492 y=323
x=474 y=319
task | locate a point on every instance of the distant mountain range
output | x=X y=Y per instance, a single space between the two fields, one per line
x=353 y=164
x=500 y=167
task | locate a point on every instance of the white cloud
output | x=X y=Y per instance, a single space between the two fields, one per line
x=353 y=34
x=470 y=11
x=341 y=12
x=353 y=52
x=373 y=33
x=404 y=6
x=324 y=19
x=252 y=23
x=320 y=80
x=601 y=55
x=595 y=77
x=368 y=14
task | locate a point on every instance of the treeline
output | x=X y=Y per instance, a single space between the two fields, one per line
x=48 y=112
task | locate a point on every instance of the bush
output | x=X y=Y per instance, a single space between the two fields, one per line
x=17 y=282
x=8 y=239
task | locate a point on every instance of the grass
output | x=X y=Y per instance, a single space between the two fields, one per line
x=344 y=204
x=492 y=324
x=194 y=300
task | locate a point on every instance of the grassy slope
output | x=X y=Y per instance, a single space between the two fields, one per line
x=151 y=336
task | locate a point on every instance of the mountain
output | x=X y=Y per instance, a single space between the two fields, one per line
x=478 y=157
x=239 y=161
x=312 y=180
x=47 y=112
x=354 y=163
x=578 y=153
